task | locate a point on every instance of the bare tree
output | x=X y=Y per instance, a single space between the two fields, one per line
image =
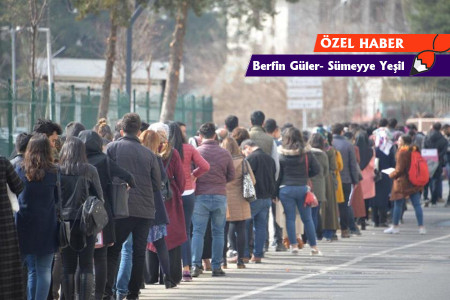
x=110 y=59
x=36 y=13
x=176 y=54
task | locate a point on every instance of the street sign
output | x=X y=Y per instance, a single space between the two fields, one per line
x=303 y=81
x=305 y=104
x=302 y=93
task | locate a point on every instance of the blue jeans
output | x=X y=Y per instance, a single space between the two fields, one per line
x=260 y=214
x=398 y=209
x=126 y=264
x=188 y=207
x=293 y=197
x=39 y=275
x=206 y=206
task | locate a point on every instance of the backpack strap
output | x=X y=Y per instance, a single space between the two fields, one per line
x=58 y=187
x=306 y=164
x=244 y=167
x=168 y=160
x=108 y=169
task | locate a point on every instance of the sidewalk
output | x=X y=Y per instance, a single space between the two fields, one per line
x=372 y=266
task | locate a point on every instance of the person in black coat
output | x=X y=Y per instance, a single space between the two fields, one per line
x=107 y=169
x=435 y=140
x=79 y=180
x=264 y=169
x=129 y=154
x=36 y=219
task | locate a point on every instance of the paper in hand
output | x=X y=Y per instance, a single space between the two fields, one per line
x=388 y=171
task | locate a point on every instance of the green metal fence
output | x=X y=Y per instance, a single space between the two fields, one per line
x=19 y=111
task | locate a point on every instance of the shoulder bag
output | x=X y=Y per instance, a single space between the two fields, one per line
x=248 y=189
x=166 y=190
x=118 y=194
x=310 y=198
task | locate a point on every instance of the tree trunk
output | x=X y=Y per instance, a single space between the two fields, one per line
x=110 y=59
x=176 y=54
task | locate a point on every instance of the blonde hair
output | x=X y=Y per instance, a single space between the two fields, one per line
x=150 y=139
x=231 y=145
x=103 y=129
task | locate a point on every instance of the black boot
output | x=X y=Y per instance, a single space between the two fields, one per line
x=363 y=223
x=168 y=282
x=68 y=286
x=86 y=286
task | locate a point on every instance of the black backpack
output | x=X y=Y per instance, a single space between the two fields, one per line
x=93 y=216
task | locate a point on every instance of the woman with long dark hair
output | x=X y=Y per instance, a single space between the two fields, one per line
x=36 y=219
x=329 y=212
x=296 y=166
x=79 y=180
x=107 y=169
x=194 y=166
x=367 y=166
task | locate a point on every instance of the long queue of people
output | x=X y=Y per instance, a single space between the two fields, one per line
x=194 y=205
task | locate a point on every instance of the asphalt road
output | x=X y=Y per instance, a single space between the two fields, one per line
x=372 y=266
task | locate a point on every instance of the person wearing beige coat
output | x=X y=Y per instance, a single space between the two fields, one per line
x=238 y=208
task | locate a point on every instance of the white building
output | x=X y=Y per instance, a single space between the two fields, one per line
x=83 y=73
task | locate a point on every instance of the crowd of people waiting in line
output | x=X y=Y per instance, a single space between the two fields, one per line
x=187 y=213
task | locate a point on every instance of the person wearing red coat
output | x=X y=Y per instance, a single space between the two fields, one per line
x=194 y=166
x=176 y=229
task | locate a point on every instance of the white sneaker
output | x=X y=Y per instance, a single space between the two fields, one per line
x=315 y=252
x=422 y=230
x=293 y=249
x=391 y=230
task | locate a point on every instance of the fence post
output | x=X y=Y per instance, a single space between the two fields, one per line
x=53 y=102
x=204 y=120
x=194 y=115
x=10 y=117
x=89 y=94
x=134 y=101
x=118 y=104
x=33 y=105
x=210 y=108
x=73 y=103
x=147 y=104
x=161 y=99
x=183 y=110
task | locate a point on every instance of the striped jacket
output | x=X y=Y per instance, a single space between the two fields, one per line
x=11 y=284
